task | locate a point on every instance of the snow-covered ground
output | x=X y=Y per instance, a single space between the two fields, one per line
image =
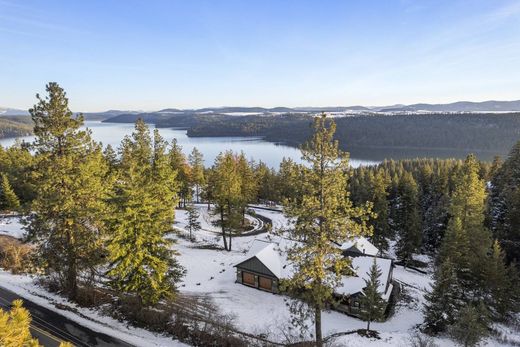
x=11 y=226
x=25 y=287
x=210 y=272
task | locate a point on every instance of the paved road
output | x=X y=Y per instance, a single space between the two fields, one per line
x=51 y=328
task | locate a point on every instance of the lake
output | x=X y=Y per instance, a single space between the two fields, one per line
x=254 y=148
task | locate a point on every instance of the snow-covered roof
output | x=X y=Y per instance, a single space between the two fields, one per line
x=362 y=244
x=267 y=254
x=273 y=256
x=361 y=266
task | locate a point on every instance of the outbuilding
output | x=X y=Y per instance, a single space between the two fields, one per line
x=261 y=268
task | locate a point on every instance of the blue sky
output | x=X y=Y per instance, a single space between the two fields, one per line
x=148 y=55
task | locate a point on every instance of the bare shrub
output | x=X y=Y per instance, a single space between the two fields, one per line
x=91 y=296
x=421 y=340
x=15 y=256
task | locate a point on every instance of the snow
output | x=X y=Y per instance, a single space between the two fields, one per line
x=361 y=266
x=266 y=253
x=13 y=227
x=24 y=286
x=211 y=273
x=362 y=244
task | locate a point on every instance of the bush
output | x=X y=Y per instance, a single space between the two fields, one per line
x=471 y=326
x=420 y=340
x=15 y=256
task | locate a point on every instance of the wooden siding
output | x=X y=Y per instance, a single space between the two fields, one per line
x=255 y=265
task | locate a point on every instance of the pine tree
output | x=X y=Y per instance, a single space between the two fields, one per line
x=468 y=205
x=248 y=184
x=371 y=303
x=443 y=302
x=143 y=208
x=17 y=163
x=456 y=247
x=198 y=180
x=9 y=200
x=504 y=204
x=471 y=325
x=14 y=327
x=503 y=294
x=267 y=180
x=70 y=179
x=193 y=220
x=379 y=197
x=180 y=165
x=226 y=191
x=289 y=180
x=408 y=223
x=323 y=213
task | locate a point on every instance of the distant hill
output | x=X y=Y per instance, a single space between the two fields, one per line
x=5 y=111
x=460 y=106
x=15 y=126
x=121 y=116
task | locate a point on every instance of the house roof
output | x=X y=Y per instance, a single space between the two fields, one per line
x=362 y=244
x=267 y=254
x=361 y=266
x=273 y=256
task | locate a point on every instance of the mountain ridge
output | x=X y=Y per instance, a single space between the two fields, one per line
x=458 y=106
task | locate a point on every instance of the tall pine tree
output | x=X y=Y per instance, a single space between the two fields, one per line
x=323 y=213
x=444 y=300
x=407 y=221
x=143 y=208
x=198 y=179
x=9 y=201
x=70 y=180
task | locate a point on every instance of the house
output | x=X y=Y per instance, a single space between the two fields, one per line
x=349 y=293
x=265 y=264
x=359 y=246
x=261 y=268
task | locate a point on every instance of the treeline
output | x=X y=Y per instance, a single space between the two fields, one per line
x=493 y=133
x=373 y=136
x=106 y=215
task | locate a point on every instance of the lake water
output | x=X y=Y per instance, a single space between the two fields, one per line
x=254 y=148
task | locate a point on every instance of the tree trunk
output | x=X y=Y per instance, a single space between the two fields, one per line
x=71 y=276
x=317 y=325
x=223 y=227
x=368 y=326
x=72 y=285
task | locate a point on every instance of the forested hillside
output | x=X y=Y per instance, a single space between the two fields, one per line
x=15 y=126
x=395 y=136
x=494 y=133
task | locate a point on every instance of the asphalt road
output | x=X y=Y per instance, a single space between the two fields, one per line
x=51 y=328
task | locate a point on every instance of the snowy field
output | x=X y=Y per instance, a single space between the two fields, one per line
x=211 y=273
x=11 y=226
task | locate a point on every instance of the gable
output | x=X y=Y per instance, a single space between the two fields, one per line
x=255 y=265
